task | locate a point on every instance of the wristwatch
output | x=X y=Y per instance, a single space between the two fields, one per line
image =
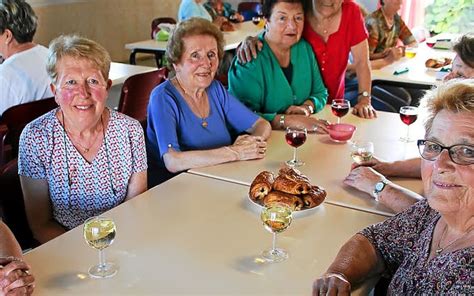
x=379 y=187
x=282 y=121
x=364 y=94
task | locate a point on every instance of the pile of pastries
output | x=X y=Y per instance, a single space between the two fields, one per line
x=290 y=187
x=437 y=63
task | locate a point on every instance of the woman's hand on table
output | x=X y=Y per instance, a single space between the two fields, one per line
x=248 y=49
x=299 y=110
x=15 y=278
x=249 y=147
x=311 y=123
x=363 y=179
x=364 y=109
x=331 y=284
x=375 y=163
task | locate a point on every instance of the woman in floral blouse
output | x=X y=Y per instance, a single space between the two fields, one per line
x=428 y=249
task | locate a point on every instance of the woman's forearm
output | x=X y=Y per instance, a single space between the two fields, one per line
x=180 y=161
x=357 y=260
x=398 y=198
x=410 y=168
x=8 y=244
x=261 y=128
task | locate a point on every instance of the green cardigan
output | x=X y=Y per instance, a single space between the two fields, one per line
x=262 y=86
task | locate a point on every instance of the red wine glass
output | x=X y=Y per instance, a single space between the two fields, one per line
x=295 y=137
x=408 y=115
x=340 y=107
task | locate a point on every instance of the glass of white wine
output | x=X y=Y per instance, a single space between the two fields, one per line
x=276 y=218
x=99 y=233
x=362 y=151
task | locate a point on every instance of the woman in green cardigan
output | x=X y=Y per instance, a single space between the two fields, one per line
x=283 y=83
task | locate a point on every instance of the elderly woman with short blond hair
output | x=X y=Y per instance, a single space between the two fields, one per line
x=429 y=248
x=192 y=120
x=82 y=158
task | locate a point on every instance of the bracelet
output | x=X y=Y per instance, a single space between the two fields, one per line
x=233 y=152
x=282 y=121
x=310 y=108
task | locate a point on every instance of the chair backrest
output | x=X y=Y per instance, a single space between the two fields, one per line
x=17 y=117
x=136 y=93
x=249 y=9
x=157 y=21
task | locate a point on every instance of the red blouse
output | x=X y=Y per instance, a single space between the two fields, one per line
x=333 y=56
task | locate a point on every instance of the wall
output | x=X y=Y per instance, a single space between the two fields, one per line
x=113 y=23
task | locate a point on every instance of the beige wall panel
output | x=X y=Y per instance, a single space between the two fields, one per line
x=113 y=23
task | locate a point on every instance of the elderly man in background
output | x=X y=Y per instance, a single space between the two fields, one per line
x=23 y=76
x=15 y=277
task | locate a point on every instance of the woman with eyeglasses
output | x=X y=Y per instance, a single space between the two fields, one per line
x=82 y=158
x=428 y=248
x=399 y=200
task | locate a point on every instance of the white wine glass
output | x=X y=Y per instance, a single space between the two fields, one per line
x=295 y=137
x=276 y=218
x=362 y=151
x=408 y=115
x=99 y=233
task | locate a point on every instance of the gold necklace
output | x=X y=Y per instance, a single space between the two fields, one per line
x=204 y=122
x=440 y=249
x=84 y=148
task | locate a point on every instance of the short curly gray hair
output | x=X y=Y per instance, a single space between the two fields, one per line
x=192 y=27
x=78 y=47
x=18 y=17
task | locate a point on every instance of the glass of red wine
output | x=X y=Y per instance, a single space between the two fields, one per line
x=256 y=20
x=340 y=107
x=430 y=42
x=295 y=136
x=408 y=115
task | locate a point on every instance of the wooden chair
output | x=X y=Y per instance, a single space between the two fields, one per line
x=12 y=205
x=15 y=119
x=249 y=9
x=136 y=93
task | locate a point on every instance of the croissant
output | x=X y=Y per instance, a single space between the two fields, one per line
x=261 y=185
x=292 y=201
x=314 y=198
x=437 y=63
x=292 y=181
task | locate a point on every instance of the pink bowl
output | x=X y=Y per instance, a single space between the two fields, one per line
x=341 y=132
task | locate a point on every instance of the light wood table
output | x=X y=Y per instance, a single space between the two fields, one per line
x=327 y=162
x=197 y=236
x=119 y=72
x=231 y=39
x=418 y=75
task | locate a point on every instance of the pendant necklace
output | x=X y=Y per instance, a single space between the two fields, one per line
x=440 y=249
x=204 y=122
x=84 y=148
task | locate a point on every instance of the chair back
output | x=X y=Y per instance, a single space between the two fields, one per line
x=16 y=118
x=249 y=9
x=136 y=93
x=157 y=21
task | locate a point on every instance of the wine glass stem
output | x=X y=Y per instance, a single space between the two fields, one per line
x=408 y=133
x=295 y=157
x=101 y=258
x=339 y=120
x=274 y=242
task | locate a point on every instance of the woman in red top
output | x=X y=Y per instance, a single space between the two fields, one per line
x=334 y=28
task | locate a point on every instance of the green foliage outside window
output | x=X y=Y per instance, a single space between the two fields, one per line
x=453 y=16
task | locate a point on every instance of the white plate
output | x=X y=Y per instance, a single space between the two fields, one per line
x=296 y=214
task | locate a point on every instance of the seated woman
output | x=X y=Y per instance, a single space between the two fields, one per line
x=385 y=29
x=82 y=158
x=283 y=83
x=429 y=248
x=23 y=77
x=365 y=176
x=218 y=8
x=15 y=277
x=191 y=117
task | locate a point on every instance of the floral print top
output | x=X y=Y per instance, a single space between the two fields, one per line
x=404 y=242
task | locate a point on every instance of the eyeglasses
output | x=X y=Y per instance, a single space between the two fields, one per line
x=459 y=154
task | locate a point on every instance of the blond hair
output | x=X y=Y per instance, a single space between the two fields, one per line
x=456 y=95
x=77 y=47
